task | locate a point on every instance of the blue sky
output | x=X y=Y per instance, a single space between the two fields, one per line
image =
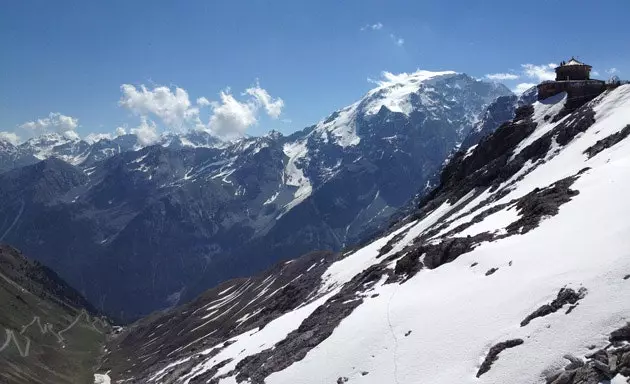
x=65 y=63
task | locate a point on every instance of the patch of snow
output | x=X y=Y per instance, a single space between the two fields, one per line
x=294 y=174
x=102 y=378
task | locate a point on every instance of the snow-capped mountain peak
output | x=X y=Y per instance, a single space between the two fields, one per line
x=444 y=95
x=393 y=92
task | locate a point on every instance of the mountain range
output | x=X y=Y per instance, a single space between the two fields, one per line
x=136 y=229
x=514 y=268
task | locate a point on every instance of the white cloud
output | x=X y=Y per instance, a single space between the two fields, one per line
x=203 y=102
x=147 y=132
x=55 y=122
x=522 y=87
x=230 y=117
x=399 y=41
x=374 y=27
x=173 y=107
x=502 y=76
x=262 y=98
x=612 y=71
x=388 y=78
x=120 y=131
x=539 y=72
x=10 y=137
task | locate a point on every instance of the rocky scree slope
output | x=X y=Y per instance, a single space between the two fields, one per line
x=513 y=270
x=140 y=230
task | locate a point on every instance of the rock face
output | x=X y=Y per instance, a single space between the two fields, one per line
x=565 y=296
x=493 y=354
x=407 y=307
x=501 y=110
x=611 y=362
x=48 y=332
x=139 y=229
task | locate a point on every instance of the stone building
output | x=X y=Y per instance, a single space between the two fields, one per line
x=574 y=78
x=573 y=70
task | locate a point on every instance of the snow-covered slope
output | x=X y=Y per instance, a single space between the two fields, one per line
x=515 y=269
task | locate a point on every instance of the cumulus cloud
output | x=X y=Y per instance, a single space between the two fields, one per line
x=262 y=98
x=171 y=106
x=230 y=117
x=147 y=132
x=374 y=27
x=612 y=71
x=55 y=122
x=522 y=87
x=10 y=137
x=120 y=131
x=502 y=76
x=203 y=102
x=539 y=72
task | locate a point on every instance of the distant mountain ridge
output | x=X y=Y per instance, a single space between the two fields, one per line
x=167 y=221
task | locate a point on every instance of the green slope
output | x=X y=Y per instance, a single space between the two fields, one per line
x=49 y=334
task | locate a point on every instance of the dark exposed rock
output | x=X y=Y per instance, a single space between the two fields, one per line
x=390 y=244
x=569 y=128
x=607 y=142
x=540 y=203
x=342 y=380
x=493 y=354
x=407 y=333
x=450 y=249
x=474 y=264
x=204 y=377
x=571 y=308
x=491 y=271
x=491 y=163
x=621 y=334
x=626 y=277
x=601 y=365
x=574 y=362
x=409 y=264
x=565 y=296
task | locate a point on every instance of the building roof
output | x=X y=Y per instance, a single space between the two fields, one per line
x=573 y=62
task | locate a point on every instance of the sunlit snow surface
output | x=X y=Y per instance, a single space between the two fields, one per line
x=101 y=378
x=455 y=312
